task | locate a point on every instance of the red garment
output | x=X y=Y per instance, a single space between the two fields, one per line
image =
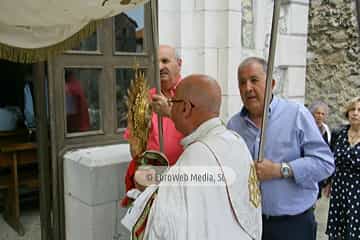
x=172 y=146
x=78 y=117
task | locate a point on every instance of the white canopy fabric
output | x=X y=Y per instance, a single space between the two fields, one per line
x=30 y=29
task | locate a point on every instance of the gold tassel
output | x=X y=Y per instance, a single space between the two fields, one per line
x=25 y=55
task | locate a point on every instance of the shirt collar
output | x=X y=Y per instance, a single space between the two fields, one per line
x=202 y=131
x=274 y=101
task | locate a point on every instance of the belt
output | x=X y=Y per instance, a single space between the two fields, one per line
x=284 y=217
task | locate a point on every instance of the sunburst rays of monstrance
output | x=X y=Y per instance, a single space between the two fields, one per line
x=139 y=121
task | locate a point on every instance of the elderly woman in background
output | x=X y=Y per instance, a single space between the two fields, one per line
x=320 y=111
x=344 y=211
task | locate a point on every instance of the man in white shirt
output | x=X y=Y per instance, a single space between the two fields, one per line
x=213 y=208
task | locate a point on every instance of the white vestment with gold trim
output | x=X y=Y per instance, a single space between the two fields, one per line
x=192 y=211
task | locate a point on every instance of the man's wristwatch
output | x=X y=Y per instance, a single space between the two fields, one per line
x=285 y=170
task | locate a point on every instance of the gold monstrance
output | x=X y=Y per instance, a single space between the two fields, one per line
x=139 y=112
x=139 y=121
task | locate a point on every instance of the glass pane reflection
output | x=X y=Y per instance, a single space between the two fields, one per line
x=129 y=30
x=123 y=79
x=82 y=99
x=88 y=44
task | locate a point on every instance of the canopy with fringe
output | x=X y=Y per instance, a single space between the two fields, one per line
x=32 y=30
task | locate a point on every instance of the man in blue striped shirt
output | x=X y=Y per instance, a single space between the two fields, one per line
x=296 y=156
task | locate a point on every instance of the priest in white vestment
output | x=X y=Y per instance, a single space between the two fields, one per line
x=206 y=208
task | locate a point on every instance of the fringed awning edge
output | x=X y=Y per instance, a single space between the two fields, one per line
x=24 y=55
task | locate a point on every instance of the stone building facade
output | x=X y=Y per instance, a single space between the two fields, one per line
x=214 y=36
x=333 y=63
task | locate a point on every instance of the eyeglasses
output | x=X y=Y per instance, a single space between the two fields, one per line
x=175 y=100
x=179 y=101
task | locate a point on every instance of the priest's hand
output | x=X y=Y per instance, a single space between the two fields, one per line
x=144 y=177
x=160 y=105
x=267 y=170
x=139 y=186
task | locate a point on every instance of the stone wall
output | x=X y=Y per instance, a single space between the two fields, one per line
x=333 y=61
x=214 y=36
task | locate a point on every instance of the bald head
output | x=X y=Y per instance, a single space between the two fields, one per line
x=201 y=96
x=203 y=91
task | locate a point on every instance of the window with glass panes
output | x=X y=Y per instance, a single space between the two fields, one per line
x=90 y=81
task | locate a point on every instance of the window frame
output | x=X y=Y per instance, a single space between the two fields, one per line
x=107 y=59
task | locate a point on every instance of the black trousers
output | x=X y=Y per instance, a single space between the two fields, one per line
x=298 y=227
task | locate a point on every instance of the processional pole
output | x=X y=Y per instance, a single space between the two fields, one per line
x=269 y=72
x=154 y=25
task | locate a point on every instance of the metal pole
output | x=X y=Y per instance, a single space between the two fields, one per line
x=268 y=93
x=154 y=24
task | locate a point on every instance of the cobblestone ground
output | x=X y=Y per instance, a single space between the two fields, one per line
x=321 y=213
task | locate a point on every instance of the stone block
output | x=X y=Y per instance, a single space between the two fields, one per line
x=193 y=61
x=200 y=5
x=280 y=76
x=234 y=5
x=224 y=109
x=211 y=62
x=94 y=185
x=304 y=2
x=296 y=82
x=291 y=51
x=217 y=5
x=234 y=37
x=229 y=60
x=234 y=61
x=169 y=5
x=262 y=26
x=89 y=222
x=187 y=5
x=96 y=175
x=231 y=105
x=121 y=232
x=192 y=29
x=223 y=70
x=297 y=99
x=169 y=25
x=216 y=29
x=297 y=19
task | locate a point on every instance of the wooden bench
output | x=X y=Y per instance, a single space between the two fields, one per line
x=14 y=155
